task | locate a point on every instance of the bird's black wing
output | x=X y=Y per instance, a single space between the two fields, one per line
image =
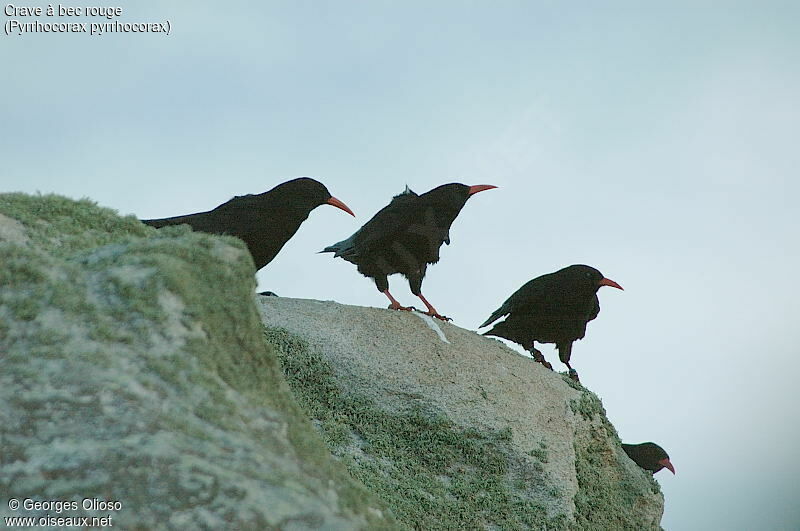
x=544 y=296
x=392 y=219
x=532 y=294
x=214 y=221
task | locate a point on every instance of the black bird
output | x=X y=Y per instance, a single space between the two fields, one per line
x=405 y=236
x=649 y=456
x=552 y=308
x=265 y=222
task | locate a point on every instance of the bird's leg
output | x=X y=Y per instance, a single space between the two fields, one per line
x=573 y=374
x=539 y=357
x=415 y=283
x=431 y=310
x=564 y=353
x=396 y=305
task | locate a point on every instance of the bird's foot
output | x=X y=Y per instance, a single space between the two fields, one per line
x=437 y=315
x=573 y=374
x=399 y=306
x=431 y=310
x=546 y=364
x=538 y=358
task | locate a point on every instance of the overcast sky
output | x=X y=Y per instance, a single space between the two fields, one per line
x=655 y=141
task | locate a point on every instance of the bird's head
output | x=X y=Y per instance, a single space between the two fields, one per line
x=649 y=456
x=447 y=200
x=452 y=197
x=309 y=193
x=658 y=456
x=588 y=276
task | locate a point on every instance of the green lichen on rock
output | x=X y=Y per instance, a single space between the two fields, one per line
x=607 y=501
x=133 y=368
x=588 y=405
x=607 y=497
x=432 y=473
x=62 y=226
x=540 y=453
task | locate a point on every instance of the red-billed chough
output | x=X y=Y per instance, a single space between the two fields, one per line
x=405 y=236
x=649 y=456
x=552 y=308
x=265 y=222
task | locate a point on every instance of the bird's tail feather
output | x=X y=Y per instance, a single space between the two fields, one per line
x=497 y=314
x=344 y=248
x=338 y=248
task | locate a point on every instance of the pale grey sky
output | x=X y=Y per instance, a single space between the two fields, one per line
x=654 y=141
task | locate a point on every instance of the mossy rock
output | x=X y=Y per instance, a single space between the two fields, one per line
x=133 y=368
x=453 y=430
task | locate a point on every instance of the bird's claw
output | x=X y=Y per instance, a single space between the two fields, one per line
x=401 y=308
x=573 y=374
x=538 y=358
x=439 y=316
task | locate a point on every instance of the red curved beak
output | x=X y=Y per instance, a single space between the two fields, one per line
x=480 y=188
x=609 y=282
x=666 y=464
x=338 y=204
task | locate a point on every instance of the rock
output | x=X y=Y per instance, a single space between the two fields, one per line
x=135 y=374
x=133 y=370
x=454 y=430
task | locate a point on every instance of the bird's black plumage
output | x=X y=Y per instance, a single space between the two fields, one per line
x=649 y=456
x=405 y=236
x=552 y=308
x=265 y=222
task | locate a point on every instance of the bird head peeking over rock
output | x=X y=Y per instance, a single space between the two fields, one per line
x=649 y=456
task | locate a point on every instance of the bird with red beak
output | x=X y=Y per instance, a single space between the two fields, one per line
x=404 y=237
x=265 y=222
x=552 y=308
x=649 y=456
